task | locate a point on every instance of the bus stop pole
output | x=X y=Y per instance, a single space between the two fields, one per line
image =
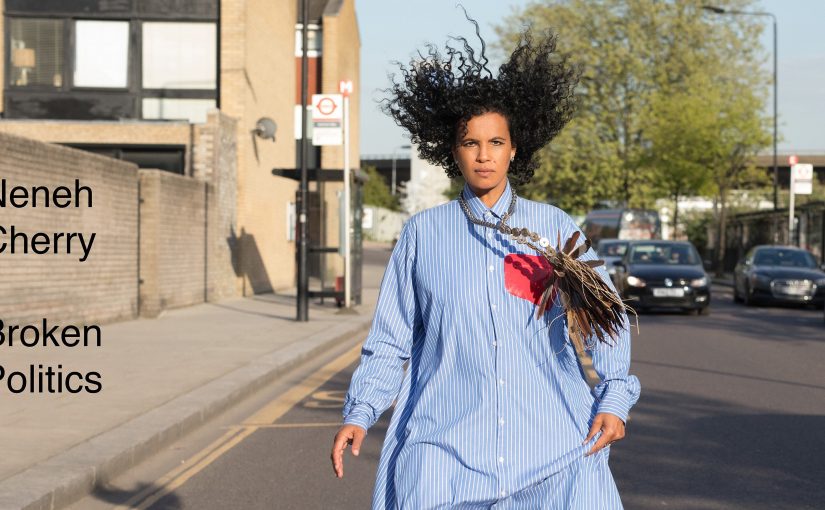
x=347 y=209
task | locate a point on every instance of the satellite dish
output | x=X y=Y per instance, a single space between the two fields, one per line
x=265 y=128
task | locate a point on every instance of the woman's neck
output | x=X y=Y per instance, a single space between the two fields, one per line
x=489 y=197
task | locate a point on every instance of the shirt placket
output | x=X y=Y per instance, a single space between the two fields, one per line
x=494 y=275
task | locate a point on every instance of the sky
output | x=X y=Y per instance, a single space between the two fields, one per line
x=391 y=30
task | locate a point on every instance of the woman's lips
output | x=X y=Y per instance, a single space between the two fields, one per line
x=485 y=172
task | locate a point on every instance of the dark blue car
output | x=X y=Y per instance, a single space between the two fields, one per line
x=784 y=274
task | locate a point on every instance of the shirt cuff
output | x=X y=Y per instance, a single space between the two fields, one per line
x=618 y=397
x=359 y=414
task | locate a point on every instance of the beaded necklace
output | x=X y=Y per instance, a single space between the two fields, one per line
x=520 y=235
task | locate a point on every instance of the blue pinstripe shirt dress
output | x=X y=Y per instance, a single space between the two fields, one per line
x=491 y=404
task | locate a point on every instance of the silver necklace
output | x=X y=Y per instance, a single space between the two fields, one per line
x=520 y=235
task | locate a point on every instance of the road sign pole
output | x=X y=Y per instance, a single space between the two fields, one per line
x=347 y=209
x=791 y=206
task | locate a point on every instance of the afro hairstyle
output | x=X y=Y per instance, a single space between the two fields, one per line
x=438 y=94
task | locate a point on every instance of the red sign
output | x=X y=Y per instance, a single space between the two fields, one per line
x=792 y=160
x=345 y=87
x=326 y=106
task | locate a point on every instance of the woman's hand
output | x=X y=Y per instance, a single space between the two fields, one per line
x=347 y=434
x=612 y=428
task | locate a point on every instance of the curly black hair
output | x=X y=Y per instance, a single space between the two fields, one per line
x=534 y=91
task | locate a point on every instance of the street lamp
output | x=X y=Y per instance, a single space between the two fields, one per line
x=720 y=10
x=394 y=154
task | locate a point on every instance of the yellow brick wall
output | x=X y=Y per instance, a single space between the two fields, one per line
x=104 y=287
x=103 y=132
x=258 y=80
x=2 y=51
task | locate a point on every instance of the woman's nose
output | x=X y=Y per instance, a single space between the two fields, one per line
x=483 y=154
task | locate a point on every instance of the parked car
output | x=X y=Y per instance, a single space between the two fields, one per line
x=786 y=274
x=611 y=251
x=663 y=274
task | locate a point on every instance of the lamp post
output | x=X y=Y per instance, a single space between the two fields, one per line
x=394 y=154
x=720 y=10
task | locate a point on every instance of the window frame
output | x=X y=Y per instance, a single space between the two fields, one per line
x=134 y=75
x=7 y=67
x=72 y=51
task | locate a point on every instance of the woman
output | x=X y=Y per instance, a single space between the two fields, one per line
x=493 y=407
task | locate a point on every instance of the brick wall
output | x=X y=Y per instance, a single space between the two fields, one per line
x=104 y=287
x=173 y=236
x=180 y=240
x=258 y=80
x=215 y=162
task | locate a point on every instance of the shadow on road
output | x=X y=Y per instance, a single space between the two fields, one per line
x=117 y=497
x=686 y=452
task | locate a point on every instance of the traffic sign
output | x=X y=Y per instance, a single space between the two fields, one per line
x=792 y=160
x=802 y=177
x=345 y=87
x=327 y=119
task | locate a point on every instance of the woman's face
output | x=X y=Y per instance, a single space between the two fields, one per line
x=483 y=154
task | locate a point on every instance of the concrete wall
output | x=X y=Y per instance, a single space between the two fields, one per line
x=104 y=287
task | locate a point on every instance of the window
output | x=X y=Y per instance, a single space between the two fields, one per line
x=193 y=110
x=314 y=40
x=179 y=55
x=101 y=53
x=36 y=52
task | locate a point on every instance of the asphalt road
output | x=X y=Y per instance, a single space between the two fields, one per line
x=731 y=416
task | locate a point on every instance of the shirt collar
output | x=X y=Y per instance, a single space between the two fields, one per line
x=478 y=208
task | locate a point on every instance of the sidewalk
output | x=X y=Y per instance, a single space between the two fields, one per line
x=161 y=378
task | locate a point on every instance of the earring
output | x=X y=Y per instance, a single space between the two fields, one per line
x=512 y=158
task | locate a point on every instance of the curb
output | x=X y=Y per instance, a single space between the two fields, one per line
x=75 y=473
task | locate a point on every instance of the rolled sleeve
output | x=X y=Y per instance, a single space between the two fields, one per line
x=377 y=380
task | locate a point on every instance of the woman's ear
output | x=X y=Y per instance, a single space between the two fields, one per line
x=512 y=154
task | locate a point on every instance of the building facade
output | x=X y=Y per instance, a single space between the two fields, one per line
x=134 y=80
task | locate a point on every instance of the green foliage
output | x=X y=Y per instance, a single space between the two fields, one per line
x=670 y=100
x=696 y=230
x=376 y=191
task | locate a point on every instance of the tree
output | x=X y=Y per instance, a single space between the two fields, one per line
x=640 y=60
x=376 y=191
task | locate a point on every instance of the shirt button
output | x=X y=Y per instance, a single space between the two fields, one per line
x=493 y=307
x=501 y=382
x=491 y=269
x=503 y=493
x=494 y=343
x=501 y=460
x=501 y=422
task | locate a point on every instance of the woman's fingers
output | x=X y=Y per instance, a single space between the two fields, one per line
x=357 y=439
x=348 y=434
x=612 y=427
x=596 y=427
x=338 y=447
